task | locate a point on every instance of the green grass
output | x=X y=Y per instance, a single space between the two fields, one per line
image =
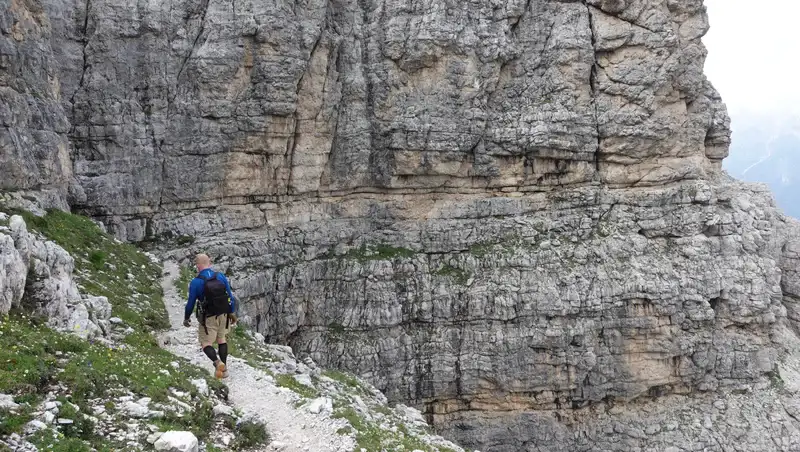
x=12 y=422
x=34 y=357
x=29 y=364
x=186 y=276
x=378 y=252
x=45 y=440
x=459 y=276
x=241 y=345
x=102 y=266
x=345 y=379
x=288 y=381
x=373 y=437
x=481 y=250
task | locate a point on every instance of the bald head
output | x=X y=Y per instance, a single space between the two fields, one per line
x=202 y=261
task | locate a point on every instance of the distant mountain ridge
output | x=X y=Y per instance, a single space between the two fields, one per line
x=766 y=148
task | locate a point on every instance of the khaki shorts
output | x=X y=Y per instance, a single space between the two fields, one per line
x=217 y=330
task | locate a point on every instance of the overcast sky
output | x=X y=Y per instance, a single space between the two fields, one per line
x=754 y=54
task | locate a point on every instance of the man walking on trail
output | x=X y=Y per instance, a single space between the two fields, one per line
x=215 y=311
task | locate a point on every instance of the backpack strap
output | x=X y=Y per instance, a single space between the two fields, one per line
x=203 y=313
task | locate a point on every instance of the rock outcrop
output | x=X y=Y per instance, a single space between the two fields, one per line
x=36 y=275
x=505 y=214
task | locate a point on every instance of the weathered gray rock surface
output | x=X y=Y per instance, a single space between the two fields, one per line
x=509 y=214
x=498 y=312
x=190 y=117
x=33 y=122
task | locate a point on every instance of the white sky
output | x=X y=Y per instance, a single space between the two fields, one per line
x=754 y=54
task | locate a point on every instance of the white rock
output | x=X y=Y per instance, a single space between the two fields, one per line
x=223 y=410
x=320 y=405
x=7 y=402
x=278 y=445
x=201 y=385
x=135 y=410
x=153 y=437
x=115 y=320
x=174 y=441
x=64 y=421
x=412 y=415
x=34 y=426
x=48 y=417
x=304 y=379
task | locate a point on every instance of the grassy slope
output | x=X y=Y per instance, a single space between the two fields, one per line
x=34 y=359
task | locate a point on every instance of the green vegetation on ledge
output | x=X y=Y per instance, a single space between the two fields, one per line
x=367 y=253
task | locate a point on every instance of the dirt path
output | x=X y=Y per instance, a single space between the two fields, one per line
x=252 y=391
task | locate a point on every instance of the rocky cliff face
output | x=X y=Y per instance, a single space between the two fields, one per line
x=219 y=113
x=510 y=214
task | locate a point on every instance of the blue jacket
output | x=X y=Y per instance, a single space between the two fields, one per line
x=196 y=291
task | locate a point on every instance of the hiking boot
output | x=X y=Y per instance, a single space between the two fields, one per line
x=225 y=372
x=221 y=370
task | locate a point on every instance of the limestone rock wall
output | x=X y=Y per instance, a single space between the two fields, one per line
x=508 y=310
x=219 y=113
x=34 y=146
x=503 y=213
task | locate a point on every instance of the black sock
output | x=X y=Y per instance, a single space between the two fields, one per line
x=223 y=352
x=211 y=353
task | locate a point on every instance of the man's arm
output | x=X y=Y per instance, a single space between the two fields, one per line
x=194 y=293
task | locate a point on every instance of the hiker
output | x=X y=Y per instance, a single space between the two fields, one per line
x=215 y=312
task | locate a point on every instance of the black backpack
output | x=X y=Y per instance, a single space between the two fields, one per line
x=215 y=297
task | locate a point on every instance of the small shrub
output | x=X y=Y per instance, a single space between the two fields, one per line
x=98 y=259
x=80 y=427
x=47 y=440
x=12 y=422
x=250 y=434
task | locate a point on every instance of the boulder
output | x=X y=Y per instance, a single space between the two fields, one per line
x=177 y=441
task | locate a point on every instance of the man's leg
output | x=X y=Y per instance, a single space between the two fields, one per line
x=222 y=332
x=207 y=335
x=206 y=339
x=210 y=352
x=223 y=352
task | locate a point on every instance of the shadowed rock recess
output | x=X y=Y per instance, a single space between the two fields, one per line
x=511 y=215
